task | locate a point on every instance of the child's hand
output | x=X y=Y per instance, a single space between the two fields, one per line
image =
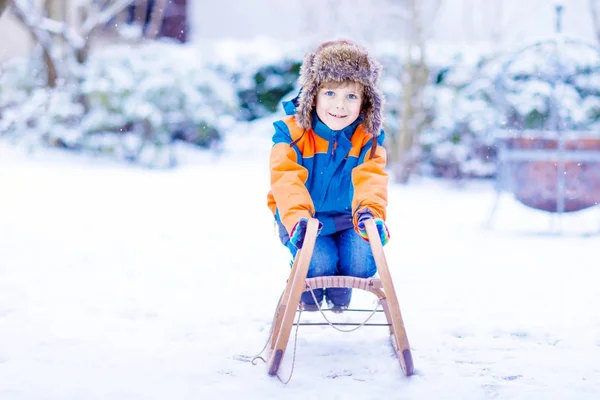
x=299 y=231
x=384 y=233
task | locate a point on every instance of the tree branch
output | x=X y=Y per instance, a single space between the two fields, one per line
x=108 y=13
x=33 y=18
x=23 y=13
x=156 y=18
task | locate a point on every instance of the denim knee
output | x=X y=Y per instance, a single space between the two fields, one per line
x=356 y=257
x=325 y=258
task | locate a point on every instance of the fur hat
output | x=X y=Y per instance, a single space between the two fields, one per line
x=339 y=61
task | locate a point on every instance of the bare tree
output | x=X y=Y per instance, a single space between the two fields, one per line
x=51 y=33
x=404 y=154
x=595 y=12
x=70 y=41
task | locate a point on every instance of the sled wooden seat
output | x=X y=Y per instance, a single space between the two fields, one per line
x=297 y=283
x=342 y=282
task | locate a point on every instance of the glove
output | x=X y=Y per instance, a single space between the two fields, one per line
x=299 y=231
x=384 y=233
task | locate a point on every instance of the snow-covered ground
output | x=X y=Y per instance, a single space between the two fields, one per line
x=123 y=283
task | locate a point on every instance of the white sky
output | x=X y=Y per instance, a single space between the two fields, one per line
x=123 y=283
x=504 y=23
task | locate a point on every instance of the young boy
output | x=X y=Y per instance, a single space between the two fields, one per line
x=328 y=162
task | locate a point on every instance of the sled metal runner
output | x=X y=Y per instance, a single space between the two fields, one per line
x=297 y=283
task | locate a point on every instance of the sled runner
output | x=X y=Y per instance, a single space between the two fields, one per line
x=297 y=283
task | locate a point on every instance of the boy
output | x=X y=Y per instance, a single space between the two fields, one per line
x=328 y=162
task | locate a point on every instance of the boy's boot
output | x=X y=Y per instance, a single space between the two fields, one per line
x=307 y=302
x=338 y=299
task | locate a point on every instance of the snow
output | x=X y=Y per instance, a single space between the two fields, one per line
x=118 y=282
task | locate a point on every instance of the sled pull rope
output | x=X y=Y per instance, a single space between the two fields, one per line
x=293 y=355
x=258 y=356
x=285 y=382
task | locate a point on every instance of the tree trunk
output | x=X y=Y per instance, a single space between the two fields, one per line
x=45 y=41
x=141 y=10
x=405 y=138
x=52 y=75
x=156 y=18
x=595 y=12
x=55 y=10
x=412 y=112
x=3 y=6
x=82 y=54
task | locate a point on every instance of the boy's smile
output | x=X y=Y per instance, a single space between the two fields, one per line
x=339 y=104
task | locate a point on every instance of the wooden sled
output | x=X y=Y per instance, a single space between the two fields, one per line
x=297 y=283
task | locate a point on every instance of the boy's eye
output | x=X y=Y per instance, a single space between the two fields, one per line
x=329 y=93
x=352 y=96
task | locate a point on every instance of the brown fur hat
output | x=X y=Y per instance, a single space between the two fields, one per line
x=339 y=61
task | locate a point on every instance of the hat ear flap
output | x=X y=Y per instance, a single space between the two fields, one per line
x=307 y=81
x=306 y=70
x=373 y=111
x=305 y=105
x=375 y=72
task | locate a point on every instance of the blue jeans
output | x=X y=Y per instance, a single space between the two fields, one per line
x=343 y=253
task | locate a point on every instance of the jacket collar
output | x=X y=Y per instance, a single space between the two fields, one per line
x=327 y=133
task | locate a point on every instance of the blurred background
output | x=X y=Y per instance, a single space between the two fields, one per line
x=472 y=86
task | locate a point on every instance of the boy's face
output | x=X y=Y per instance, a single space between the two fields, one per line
x=339 y=104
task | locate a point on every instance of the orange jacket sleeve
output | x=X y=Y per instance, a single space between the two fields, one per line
x=371 y=185
x=288 y=188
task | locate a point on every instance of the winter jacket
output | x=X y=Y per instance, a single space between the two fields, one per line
x=325 y=174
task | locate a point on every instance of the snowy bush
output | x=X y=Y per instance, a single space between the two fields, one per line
x=458 y=142
x=132 y=102
x=162 y=91
x=33 y=113
x=391 y=86
x=540 y=88
x=549 y=82
x=260 y=91
x=262 y=72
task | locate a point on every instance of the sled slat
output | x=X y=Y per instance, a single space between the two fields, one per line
x=343 y=282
